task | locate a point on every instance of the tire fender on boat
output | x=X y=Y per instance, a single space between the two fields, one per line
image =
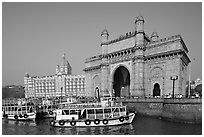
x=105 y=121
x=16 y=117
x=127 y=118
x=20 y=116
x=61 y=122
x=96 y=121
x=52 y=122
x=73 y=123
x=121 y=119
x=88 y=122
x=25 y=115
x=51 y=113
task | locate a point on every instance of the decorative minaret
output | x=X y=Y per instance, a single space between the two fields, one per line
x=154 y=36
x=104 y=39
x=138 y=67
x=57 y=69
x=104 y=63
x=139 y=27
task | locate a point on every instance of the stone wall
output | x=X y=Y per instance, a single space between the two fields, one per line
x=178 y=110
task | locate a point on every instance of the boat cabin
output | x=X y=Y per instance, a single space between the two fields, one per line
x=90 y=113
x=16 y=110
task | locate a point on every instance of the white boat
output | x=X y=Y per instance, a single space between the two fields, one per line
x=18 y=109
x=19 y=112
x=92 y=114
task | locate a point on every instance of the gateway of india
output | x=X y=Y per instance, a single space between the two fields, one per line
x=136 y=65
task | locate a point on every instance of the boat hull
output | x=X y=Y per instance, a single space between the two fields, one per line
x=30 y=116
x=81 y=123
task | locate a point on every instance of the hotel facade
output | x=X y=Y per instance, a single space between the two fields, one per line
x=63 y=83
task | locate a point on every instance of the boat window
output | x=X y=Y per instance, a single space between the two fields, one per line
x=78 y=111
x=23 y=108
x=115 y=110
x=49 y=107
x=99 y=111
x=65 y=112
x=107 y=110
x=90 y=111
x=73 y=112
x=122 y=109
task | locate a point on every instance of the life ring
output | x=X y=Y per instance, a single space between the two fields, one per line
x=88 y=122
x=16 y=117
x=96 y=121
x=127 y=118
x=73 y=123
x=20 y=116
x=105 y=121
x=51 y=113
x=121 y=119
x=61 y=122
x=52 y=122
x=25 y=115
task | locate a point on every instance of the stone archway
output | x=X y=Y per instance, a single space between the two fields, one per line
x=157 y=81
x=96 y=86
x=121 y=82
x=156 y=90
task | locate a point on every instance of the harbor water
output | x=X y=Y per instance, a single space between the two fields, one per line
x=141 y=125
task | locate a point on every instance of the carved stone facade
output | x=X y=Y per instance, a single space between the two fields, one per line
x=136 y=65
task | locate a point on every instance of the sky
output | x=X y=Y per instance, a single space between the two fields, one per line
x=35 y=35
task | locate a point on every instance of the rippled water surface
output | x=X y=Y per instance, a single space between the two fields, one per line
x=141 y=126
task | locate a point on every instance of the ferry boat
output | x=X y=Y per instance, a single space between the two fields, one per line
x=92 y=114
x=18 y=110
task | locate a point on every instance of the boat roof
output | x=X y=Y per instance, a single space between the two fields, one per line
x=89 y=106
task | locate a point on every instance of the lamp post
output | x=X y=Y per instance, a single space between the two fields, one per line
x=61 y=92
x=173 y=78
x=61 y=96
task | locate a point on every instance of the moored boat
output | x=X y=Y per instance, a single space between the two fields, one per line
x=19 y=110
x=92 y=114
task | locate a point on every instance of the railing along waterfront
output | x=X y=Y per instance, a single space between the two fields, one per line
x=162 y=100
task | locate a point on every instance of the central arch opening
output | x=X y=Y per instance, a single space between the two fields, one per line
x=156 y=90
x=121 y=82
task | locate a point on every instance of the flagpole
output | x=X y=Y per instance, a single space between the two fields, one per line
x=189 y=81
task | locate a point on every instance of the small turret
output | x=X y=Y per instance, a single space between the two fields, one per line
x=57 y=69
x=139 y=24
x=104 y=36
x=26 y=75
x=154 y=36
x=139 y=28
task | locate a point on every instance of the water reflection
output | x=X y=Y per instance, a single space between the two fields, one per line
x=141 y=125
x=113 y=130
x=19 y=123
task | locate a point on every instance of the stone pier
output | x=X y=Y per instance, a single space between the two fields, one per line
x=178 y=110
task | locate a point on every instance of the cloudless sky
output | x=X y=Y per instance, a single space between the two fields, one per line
x=35 y=35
